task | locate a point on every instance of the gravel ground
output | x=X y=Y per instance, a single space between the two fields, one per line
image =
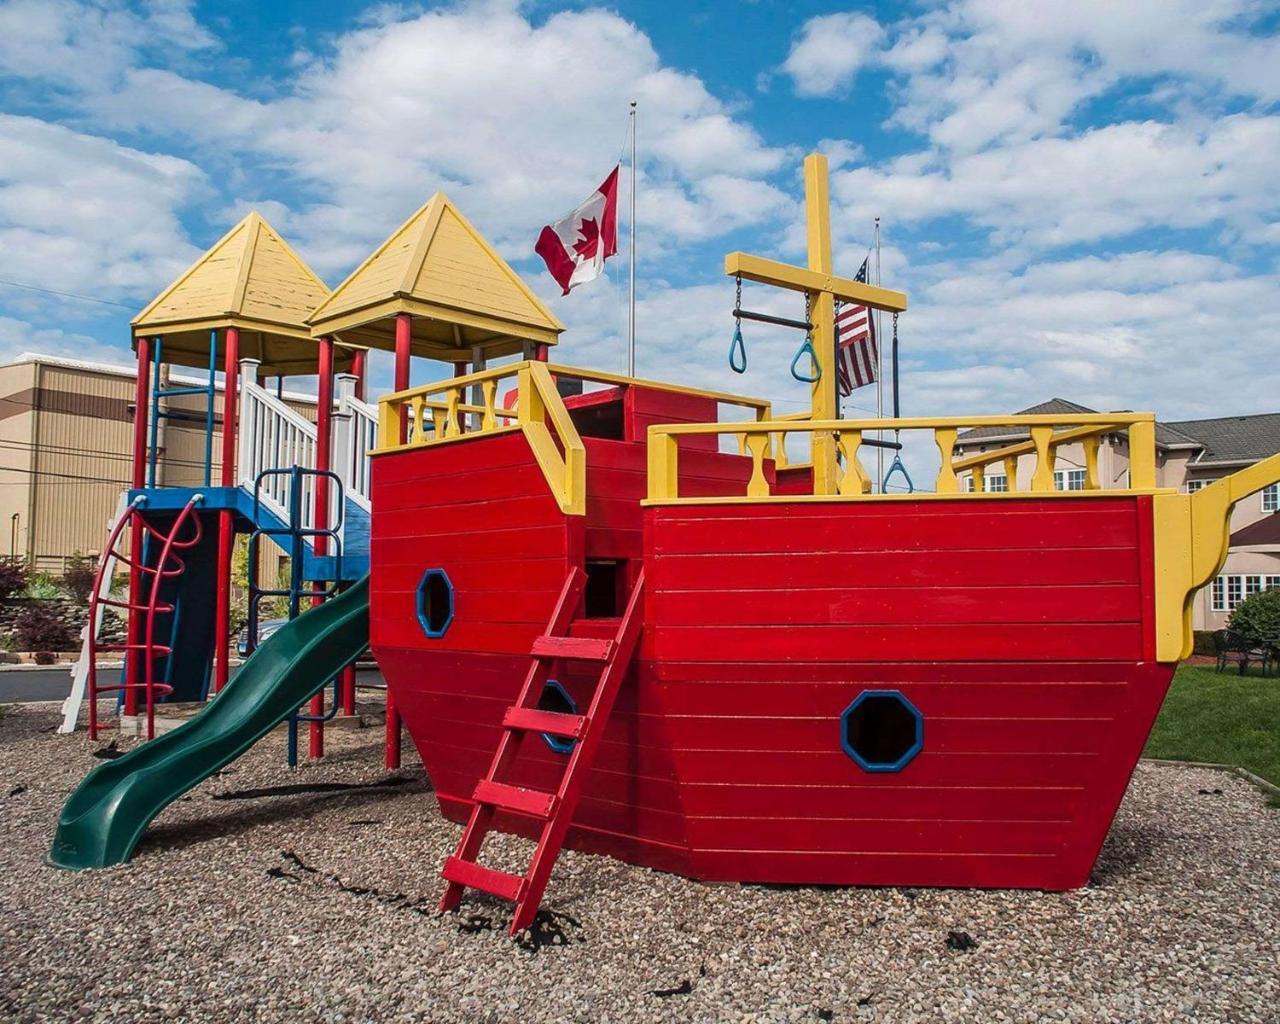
x=313 y=906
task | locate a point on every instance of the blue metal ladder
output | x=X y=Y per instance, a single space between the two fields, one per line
x=293 y=536
x=157 y=392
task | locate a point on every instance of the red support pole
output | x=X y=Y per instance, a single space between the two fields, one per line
x=359 y=368
x=542 y=353
x=133 y=667
x=324 y=435
x=404 y=329
x=359 y=365
x=226 y=522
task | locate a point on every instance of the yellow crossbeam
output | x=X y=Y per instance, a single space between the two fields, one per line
x=759 y=269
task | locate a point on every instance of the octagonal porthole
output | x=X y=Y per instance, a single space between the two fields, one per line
x=881 y=731
x=435 y=602
x=556 y=698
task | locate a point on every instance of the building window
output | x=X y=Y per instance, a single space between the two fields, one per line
x=1197 y=485
x=1229 y=591
x=1068 y=480
x=1271 y=498
x=990 y=484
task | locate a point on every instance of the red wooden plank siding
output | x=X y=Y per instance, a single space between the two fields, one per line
x=488 y=519
x=1016 y=628
x=1021 y=629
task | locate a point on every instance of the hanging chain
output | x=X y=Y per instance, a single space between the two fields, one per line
x=897 y=434
x=737 y=299
x=808 y=307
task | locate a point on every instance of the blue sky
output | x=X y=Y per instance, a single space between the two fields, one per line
x=1081 y=199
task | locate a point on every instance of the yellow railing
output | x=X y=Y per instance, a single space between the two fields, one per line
x=761 y=440
x=440 y=413
x=436 y=414
x=777 y=442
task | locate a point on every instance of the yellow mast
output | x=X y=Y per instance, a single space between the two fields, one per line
x=823 y=288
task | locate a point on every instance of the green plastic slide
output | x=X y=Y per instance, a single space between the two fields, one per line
x=105 y=817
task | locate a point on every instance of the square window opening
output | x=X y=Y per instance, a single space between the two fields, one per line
x=603 y=598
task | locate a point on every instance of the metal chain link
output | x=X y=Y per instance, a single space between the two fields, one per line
x=737 y=299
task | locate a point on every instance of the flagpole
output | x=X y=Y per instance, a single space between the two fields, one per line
x=879 y=374
x=631 y=305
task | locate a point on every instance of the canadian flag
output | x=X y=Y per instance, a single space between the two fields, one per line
x=576 y=246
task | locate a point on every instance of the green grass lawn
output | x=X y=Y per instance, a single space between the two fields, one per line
x=1225 y=718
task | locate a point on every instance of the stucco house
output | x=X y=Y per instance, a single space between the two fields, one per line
x=1189 y=454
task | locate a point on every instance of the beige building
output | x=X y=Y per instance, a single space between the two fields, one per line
x=1189 y=454
x=66 y=443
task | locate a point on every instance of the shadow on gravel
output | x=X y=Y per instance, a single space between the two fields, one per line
x=1126 y=849
x=297 y=789
x=549 y=928
x=218 y=823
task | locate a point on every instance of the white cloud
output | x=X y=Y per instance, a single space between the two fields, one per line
x=19 y=336
x=830 y=51
x=1179 y=332
x=516 y=121
x=979 y=71
x=86 y=45
x=81 y=213
x=1103 y=183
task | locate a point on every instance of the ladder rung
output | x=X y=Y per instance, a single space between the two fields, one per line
x=161 y=608
x=570 y=727
x=477 y=876
x=532 y=802
x=155 y=648
x=577 y=648
x=163 y=689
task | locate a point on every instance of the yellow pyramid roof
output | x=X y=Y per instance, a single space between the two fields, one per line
x=250 y=279
x=437 y=267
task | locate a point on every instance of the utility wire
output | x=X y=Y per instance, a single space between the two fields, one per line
x=65 y=295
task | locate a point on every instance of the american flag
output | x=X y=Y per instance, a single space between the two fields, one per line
x=858 y=359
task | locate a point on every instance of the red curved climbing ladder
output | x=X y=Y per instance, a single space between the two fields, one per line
x=168 y=564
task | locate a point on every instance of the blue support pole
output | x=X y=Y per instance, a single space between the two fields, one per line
x=157 y=358
x=208 y=416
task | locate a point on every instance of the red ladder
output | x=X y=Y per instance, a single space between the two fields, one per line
x=167 y=564
x=554 y=810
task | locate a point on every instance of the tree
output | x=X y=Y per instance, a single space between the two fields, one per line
x=1257 y=618
x=79 y=576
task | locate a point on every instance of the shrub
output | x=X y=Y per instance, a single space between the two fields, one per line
x=1257 y=617
x=45 y=658
x=78 y=577
x=13 y=577
x=43 y=587
x=40 y=628
x=1204 y=643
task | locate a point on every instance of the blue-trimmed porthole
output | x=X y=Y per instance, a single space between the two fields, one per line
x=435 y=602
x=556 y=698
x=881 y=730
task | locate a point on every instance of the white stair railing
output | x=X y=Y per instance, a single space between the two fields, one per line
x=273 y=436
x=355 y=434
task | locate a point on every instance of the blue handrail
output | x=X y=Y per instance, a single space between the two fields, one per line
x=157 y=392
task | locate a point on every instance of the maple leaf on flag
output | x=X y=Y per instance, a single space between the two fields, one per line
x=586 y=246
x=575 y=247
